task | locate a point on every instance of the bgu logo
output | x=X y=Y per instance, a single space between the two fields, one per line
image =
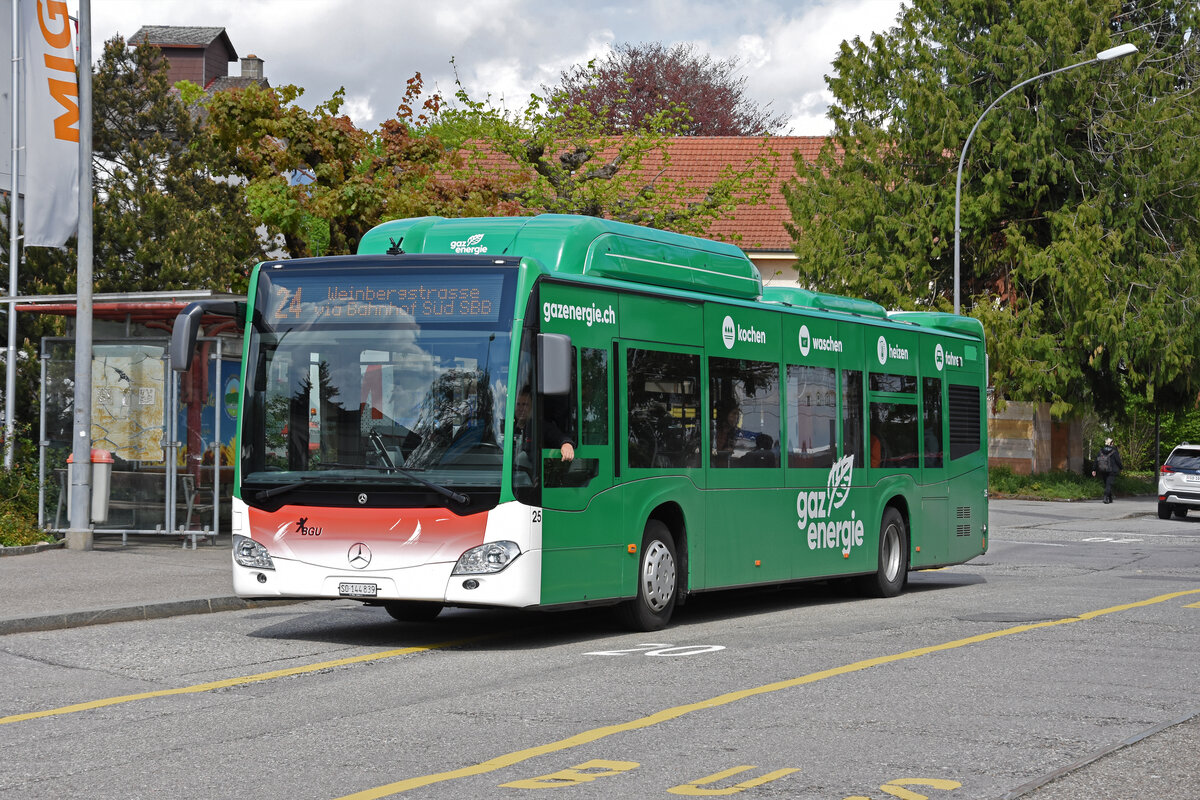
x=303 y=528
x=65 y=92
x=815 y=508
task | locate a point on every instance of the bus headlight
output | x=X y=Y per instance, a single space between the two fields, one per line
x=250 y=553
x=490 y=557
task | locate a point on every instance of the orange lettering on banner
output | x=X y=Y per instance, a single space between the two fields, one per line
x=66 y=93
x=66 y=127
x=58 y=10
x=59 y=63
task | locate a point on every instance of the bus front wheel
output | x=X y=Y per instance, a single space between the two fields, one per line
x=412 y=610
x=657 y=587
x=892 y=570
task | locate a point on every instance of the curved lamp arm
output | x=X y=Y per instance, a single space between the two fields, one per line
x=1106 y=55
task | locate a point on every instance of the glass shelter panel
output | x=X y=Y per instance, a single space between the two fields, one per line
x=138 y=421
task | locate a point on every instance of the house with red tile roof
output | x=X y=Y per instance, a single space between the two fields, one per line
x=699 y=163
x=758 y=229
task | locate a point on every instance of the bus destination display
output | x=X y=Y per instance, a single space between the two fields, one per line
x=368 y=299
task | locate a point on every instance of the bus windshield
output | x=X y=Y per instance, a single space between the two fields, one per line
x=384 y=378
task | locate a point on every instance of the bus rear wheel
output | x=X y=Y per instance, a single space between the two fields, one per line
x=658 y=581
x=892 y=571
x=412 y=610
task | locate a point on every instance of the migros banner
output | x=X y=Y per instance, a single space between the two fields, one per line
x=51 y=100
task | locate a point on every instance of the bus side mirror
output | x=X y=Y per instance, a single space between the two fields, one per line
x=187 y=327
x=554 y=364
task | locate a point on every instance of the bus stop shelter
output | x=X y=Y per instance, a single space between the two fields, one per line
x=169 y=436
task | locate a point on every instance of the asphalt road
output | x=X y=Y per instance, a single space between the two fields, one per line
x=1062 y=664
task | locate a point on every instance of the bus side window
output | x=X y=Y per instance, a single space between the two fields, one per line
x=664 y=410
x=745 y=412
x=563 y=412
x=812 y=416
x=893 y=435
x=932 y=421
x=852 y=415
x=594 y=366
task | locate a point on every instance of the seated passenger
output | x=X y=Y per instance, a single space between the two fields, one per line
x=763 y=454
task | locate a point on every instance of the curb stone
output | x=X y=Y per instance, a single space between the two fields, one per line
x=24 y=550
x=79 y=619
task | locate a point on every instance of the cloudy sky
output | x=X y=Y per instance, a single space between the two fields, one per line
x=510 y=48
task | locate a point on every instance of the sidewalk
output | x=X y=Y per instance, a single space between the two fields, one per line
x=151 y=576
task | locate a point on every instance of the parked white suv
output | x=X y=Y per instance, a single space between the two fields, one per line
x=1179 y=482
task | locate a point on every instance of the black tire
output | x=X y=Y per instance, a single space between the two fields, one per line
x=412 y=610
x=892 y=572
x=1181 y=511
x=658 y=582
x=1164 y=510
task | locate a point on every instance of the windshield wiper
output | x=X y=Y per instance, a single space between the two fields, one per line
x=390 y=466
x=263 y=494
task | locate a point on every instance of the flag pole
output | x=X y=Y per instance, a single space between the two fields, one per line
x=79 y=536
x=10 y=364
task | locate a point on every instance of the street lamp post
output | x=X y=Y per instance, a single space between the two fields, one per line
x=1105 y=55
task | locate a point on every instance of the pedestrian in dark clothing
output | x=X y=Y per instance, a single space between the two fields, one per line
x=1108 y=464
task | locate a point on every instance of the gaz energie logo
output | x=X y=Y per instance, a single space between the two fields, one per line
x=470 y=245
x=816 y=511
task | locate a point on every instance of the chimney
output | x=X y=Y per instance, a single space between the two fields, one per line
x=252 y=67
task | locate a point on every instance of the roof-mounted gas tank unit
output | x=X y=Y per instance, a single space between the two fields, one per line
x=804 y=298
x=577 y=245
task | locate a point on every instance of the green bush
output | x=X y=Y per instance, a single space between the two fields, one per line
x=1063 y=485
x=19 y=498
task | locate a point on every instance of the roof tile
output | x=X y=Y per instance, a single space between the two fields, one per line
x=698 y=161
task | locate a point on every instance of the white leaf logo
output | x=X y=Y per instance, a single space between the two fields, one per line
x=839 y=481
x=474 y=240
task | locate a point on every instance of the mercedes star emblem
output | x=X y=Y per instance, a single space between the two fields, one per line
x=359 y=555
x=362 y=499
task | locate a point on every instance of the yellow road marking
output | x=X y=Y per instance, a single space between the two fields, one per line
x=596 y=734
x=223 y=684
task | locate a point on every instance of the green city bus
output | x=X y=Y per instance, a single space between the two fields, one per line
x=558 y=411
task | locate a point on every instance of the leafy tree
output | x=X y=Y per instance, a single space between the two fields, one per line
x=630 y=87
x=319 y=182
x=1079 y=225
x=165 y=216
x=563 y=158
